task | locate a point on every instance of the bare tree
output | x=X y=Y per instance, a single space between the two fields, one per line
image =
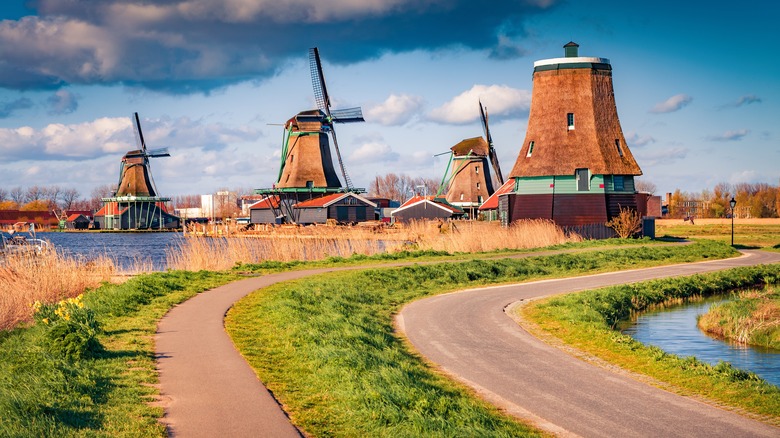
x=643 y=185
x=18 y=195
x=35 y=193
x=99 y=192
x=3 y=194
x=68 y=198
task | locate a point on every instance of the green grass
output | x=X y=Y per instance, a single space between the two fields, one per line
x=750 y=318
x=587 y=321
x=325 y=346
x=745 y=235
x=43 y=393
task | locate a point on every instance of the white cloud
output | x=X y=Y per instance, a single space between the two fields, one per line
x=398 y=109
x=501 y=101
x=114 y=136
x=674 y=103
x=373 y=151
x=729 y=135
x=634 y=139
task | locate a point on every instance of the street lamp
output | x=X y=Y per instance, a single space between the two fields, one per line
x=732 y=203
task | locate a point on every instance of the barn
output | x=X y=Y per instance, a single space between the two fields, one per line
x=343 y=207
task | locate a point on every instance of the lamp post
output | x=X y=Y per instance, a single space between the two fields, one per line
x=732 y=203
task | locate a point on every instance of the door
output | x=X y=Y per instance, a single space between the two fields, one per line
x=583 y=180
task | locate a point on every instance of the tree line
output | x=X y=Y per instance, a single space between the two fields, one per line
x=52 y=198
x=754 y=200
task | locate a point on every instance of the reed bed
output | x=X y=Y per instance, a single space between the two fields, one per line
x=320 y=242
x=46 y=277
x=474 y=237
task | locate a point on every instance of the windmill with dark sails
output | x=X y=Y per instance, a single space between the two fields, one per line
x=135 y=204
x=468 y=180
x=306 y=169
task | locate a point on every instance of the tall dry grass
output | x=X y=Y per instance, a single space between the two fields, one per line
x=319 y=242
x=474 y=237
x=47 y=277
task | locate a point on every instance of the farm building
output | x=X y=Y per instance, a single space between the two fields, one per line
x=77 y=221
x=342 y=207
x=574 y=166
x=489 y=209
x=426 y=207
x=122 y=214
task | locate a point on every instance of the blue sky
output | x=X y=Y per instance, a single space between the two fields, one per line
x=696 y=84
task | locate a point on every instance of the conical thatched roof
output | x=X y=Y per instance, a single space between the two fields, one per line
x=582 y=87
x=477 y=146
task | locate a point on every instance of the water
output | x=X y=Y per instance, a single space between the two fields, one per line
x=674 y=331
x=125 y=249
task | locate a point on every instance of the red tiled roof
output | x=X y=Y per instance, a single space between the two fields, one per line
x=324 y=201
x=75 y=216
x=491 y=203
x=266 y=203
x=321 y=201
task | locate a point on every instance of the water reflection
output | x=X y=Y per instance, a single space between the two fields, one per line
x=674 y=330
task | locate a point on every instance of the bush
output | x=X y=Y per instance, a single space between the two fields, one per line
x=71 y=328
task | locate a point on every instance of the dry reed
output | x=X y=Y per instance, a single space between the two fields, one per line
x=47 y=277
x=320 y=242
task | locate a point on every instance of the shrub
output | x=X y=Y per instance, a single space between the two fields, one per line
x=71 y=328
x=626 y=224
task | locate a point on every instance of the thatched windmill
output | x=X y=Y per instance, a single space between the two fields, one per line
x=135 y=204
x=468 y=179
x=306 y=170
x=574 y=165
x=306 y=158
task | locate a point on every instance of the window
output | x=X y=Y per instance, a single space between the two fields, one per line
x=292 y=157
x=617 y=145
x=617 y=182
x=461 y=196
x=477 y=186
x=479 y=199
x=309 y=184
x=570 y=120
x=530 y=149
x=476 y=168
x=583 y=180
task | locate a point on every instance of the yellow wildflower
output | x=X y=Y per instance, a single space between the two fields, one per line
x=45 y=320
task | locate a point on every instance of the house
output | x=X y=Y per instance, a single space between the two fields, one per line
x=426 y=207
x=132 y=215
x=489 y=209
x=574 y=166
x=266 y=211
x=343 y=207
x=77 y=221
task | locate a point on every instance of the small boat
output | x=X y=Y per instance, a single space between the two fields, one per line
x=11 y=243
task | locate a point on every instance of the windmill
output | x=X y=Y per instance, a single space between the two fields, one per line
x=135 y=174
x=467 y=179
x=306 y=159
x=135 y=204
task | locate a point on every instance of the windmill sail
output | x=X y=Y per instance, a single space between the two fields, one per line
x=491 y=150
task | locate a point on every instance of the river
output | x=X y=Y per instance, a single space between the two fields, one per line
x=674 y=330
x=127 y=250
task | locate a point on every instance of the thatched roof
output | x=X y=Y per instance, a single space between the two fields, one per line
x=477 y=146
x=558 y=150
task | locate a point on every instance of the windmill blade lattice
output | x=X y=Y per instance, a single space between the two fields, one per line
x=491 y=150
x=318 y=81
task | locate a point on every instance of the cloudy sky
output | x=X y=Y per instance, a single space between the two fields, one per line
x=696 y=85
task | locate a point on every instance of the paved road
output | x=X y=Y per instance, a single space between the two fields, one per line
x=207 y=388
x=469 y=335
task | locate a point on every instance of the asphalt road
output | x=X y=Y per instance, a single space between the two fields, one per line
x=471 y=337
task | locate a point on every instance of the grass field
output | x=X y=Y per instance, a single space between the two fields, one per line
x=748 y=233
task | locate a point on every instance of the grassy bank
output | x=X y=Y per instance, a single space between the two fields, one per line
x=51 y=385
x=326 y=347
x=752 y=318
x=587 y=321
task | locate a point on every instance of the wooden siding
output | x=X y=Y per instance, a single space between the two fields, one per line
x=617 y=201
x=628 y=184
x=265 y=216
x=316 y=215
x=580 y=209
x=534 y=185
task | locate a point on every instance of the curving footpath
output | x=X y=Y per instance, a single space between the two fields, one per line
x=471 y=337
